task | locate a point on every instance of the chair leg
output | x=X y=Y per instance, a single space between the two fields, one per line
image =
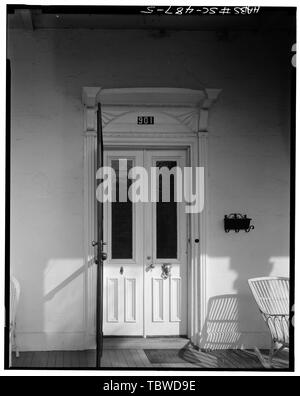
x=10 y=350
x=279 y=349
x=271 y=354
x=261 y=358
x=15 y=344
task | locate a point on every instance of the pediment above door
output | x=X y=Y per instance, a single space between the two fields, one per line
x=173 y=110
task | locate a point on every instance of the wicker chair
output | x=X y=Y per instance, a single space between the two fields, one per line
x=272 y=297
x=14 y=300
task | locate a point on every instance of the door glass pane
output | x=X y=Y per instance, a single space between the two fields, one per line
x=166 y=215
x=121 y=212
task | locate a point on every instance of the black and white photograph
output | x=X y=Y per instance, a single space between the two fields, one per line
x=149 y=189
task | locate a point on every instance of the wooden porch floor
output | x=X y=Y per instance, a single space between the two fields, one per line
x=129 y=353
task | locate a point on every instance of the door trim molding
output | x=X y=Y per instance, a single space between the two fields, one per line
x=89 y=203
x=190 y=111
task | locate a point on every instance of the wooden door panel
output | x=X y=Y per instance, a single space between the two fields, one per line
x=166 y=310
x=175 y=287
x=123 y=308
x=123 y=273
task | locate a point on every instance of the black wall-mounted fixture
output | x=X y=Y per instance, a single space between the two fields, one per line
x=237 y=222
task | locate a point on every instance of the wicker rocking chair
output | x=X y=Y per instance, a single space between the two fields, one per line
x=272 y=297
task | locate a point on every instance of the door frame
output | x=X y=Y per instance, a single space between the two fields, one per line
x=189 y=111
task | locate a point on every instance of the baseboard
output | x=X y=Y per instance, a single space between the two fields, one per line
x=47 y=341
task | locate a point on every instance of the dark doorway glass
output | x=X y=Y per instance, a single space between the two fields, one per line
x=166 y=216
x=121 y=213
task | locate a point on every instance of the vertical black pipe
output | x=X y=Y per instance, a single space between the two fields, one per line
x=7 y=213
x=293 y=85
x=99 y=302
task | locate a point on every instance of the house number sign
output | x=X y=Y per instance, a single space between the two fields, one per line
x=145 y=120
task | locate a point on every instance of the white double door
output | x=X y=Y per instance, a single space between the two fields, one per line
x=145 y=274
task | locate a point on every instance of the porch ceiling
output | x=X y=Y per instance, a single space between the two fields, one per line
x=102 y=17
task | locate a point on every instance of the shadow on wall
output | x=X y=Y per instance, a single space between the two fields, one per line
x=64 y=294
x=221 y=329
x=233 y=320
x=223 y=325
x=49 y=294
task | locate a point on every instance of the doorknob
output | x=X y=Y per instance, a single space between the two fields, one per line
x=121 y=270
x=103 y=254
x=150 y=267
x=103 y=258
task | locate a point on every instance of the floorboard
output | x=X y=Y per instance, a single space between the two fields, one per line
x=59 y=361
x=129 y=353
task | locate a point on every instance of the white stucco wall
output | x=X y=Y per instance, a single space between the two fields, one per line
x=248 y=164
